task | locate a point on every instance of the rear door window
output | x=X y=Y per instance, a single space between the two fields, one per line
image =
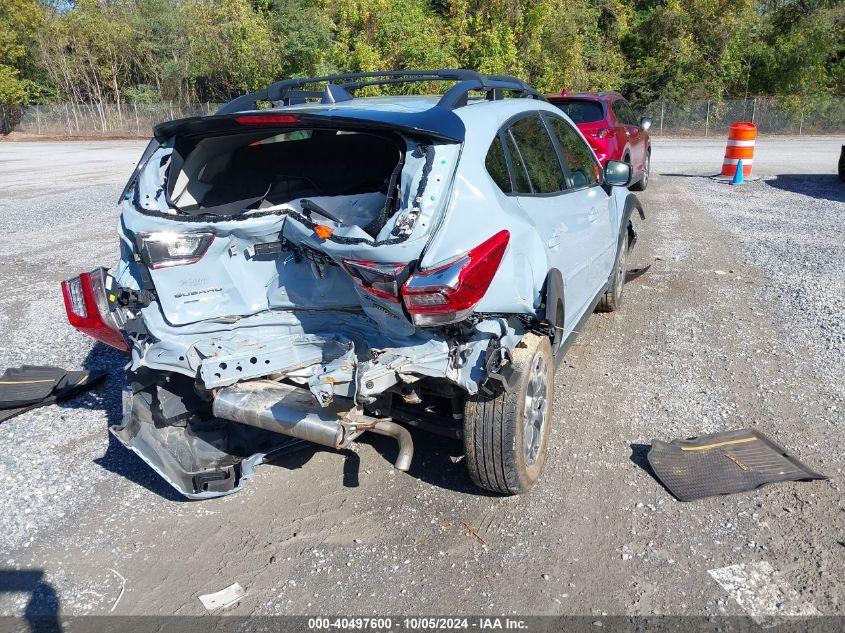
x=538 y=154
x=497 y=166
x=583 y=169
x=581 y=110
x=520 y=175
x=624 y=112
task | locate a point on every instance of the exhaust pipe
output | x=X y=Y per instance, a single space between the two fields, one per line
x=401 y=435
x=280 y=408
x=292 y=411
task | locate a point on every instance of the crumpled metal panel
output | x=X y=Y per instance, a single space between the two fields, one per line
x=229 y=360
x=336 y=378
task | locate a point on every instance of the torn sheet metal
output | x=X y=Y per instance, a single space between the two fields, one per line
x=228 y=360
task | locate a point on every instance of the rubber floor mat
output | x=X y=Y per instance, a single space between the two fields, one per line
x=723 y=464
x=50 y=384
x=20 y=386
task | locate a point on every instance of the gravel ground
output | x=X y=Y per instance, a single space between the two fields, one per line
x=739 y=322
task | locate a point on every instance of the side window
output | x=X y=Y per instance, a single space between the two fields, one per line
x=497 y=166
x=520 y=175
x=538 y=154
x=624 y=112
x=582 y=166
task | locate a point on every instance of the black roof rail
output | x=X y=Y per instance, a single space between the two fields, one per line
x=341 y=87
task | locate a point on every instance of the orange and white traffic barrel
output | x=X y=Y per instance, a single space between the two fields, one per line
x=740 y=147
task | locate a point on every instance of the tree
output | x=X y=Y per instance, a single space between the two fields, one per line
x=19 y=20
x=108 y=51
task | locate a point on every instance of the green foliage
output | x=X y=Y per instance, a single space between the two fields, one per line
x=19 y=20
x=209 y=50
x=13 y=89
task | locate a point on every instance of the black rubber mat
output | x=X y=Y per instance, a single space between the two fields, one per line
x=20 y=386
x=24 y=385
x=723 y=464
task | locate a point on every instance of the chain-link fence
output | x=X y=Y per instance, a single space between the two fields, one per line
x=96 y=120
x=772 y=115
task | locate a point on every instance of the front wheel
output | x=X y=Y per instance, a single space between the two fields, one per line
x=506 y=437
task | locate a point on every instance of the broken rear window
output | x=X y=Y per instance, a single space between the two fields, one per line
x=343 y=176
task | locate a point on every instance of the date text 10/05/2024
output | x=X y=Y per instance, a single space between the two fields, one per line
x=416 y=623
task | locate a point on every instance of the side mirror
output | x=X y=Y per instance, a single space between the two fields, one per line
x=617 y=174
x=645 y=122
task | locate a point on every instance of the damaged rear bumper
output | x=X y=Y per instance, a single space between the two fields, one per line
x=265 y=389
x=213 y=457
x=200 y=461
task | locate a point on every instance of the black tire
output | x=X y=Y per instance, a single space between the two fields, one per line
x=497 y=456
x=642 y=183
x=611 y=300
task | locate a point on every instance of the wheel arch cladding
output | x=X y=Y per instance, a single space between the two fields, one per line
x=632 y=203
x=553 y=298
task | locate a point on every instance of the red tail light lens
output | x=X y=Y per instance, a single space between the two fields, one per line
x=267 y=119
x=602 y=133
x=380 y=280
x=88 y=310
x=448 y=293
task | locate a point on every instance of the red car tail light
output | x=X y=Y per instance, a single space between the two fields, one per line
x=602 y=133
x=449 y=292
x=380 y=280
x=88 y=310
x=267 y=119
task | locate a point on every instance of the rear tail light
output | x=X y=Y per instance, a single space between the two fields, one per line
x=164 y=249
x=448 y=293
x=602 y=133
x=380 y=280
x=88 y=310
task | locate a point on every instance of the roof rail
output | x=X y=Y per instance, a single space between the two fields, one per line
x=341 y=87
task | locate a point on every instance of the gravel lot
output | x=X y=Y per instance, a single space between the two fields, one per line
x=738 y=323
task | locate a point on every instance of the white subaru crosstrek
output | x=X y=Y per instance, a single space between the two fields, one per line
x=332 y=265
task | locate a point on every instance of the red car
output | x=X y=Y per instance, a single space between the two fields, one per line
x=611 y=127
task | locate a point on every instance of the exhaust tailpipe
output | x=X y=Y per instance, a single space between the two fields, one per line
x=401 y=435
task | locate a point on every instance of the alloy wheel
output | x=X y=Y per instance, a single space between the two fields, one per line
x=536 y=409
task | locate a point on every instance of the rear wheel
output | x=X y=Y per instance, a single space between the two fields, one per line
x=641 y=184
x=611 y=300
x=506 y=437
